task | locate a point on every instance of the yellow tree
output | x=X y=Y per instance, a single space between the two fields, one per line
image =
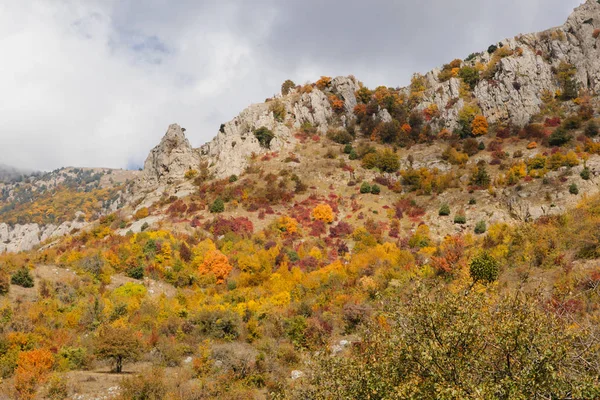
x=479 y=126
x=323 y=212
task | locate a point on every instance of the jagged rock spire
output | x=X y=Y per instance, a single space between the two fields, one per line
x=170 y=159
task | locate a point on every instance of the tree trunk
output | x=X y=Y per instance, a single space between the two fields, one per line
x=119 y=364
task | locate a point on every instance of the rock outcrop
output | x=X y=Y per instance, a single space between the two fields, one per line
x=27 y=236
x=514 y=92
x=168 y=162
x=230 y=150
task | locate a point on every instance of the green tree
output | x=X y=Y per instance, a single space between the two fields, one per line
x=480 y=176
x=444 y=210
x=573 y=189
x=287 y=86
x=566 y=77
x=117 y=343
x=591 y=129
x=365 y=188
x=264 y=137
x=559 y=137
x=585 y=173
x=484 y=268
x=218 y=206
x=22 y=278
x=469 y=75
x=480 y=227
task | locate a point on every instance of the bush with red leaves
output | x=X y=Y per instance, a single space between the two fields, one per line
x=220 y=226
x=177 y=208
x=308 y=264
x=341 y=230
x=318 y=228
x=552 y=122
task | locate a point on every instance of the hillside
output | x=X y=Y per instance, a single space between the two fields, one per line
x=8 y=173
x=336 y=241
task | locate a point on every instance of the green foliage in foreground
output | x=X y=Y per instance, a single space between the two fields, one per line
x=473 y=345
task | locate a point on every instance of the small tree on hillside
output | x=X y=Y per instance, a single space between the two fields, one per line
x=480 y=176
x=22 y=278
x=484 y=268
x=4 y=283
x=479 y=126
x=119 y=344
x=287 y=86
x=218 y=206
x=264 y=137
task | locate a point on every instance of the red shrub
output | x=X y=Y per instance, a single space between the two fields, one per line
x=317 y=228
x=552 y=122
x=220 y=226
x=342 y=229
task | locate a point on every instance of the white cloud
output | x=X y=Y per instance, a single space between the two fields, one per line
x=96 y=83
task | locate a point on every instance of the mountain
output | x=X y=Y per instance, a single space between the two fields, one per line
x=336 y=241
x=8 y=173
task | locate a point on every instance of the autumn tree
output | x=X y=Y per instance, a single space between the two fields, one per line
x=117 y=343
x=446 y=345
x=465 y=119
x=32 y=370
x=185 y=252
x=215 y=263
x=141 y=213
x=323 y=212
x=566 y=77
x=4 y=282
x=389 y=131
x=479 y=126
x=323 y=83
x=364 y=95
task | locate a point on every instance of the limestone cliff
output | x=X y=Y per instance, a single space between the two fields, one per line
x=513 y=93
x=229 y=151
x=170 y=159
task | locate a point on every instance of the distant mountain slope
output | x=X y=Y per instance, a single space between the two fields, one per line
x=8 y=173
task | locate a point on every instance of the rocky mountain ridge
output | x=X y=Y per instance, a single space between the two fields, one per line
x=512 y=92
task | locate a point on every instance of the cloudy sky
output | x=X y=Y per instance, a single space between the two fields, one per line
x=97 y=82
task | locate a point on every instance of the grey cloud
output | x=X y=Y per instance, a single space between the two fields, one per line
x=97 y=84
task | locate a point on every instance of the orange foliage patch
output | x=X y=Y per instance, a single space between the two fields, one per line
x=32 y=369
x=216 y=263
x=479 y=126
x=324 y=82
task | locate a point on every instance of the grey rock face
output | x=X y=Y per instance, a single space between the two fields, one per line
x=229 y=151
x=514 y=92
x=27 y=236
x=170 y=159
